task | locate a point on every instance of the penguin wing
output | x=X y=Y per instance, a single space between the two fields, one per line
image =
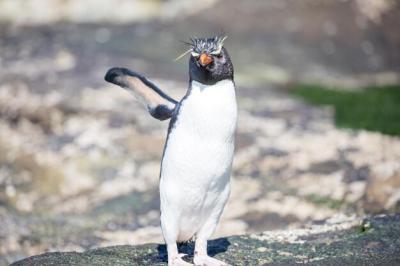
x=159 y=104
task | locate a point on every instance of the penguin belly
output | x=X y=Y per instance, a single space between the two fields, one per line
x=196 y=166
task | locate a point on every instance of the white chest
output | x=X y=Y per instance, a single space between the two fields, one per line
x=200 y=146
x=197 y=161
x=209 y=113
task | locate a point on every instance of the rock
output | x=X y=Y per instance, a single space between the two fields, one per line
x=338 y=241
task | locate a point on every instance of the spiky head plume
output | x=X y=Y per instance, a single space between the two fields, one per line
x=204 y=45
x=207 y=45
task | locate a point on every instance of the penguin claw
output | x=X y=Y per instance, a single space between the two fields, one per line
x=178 y=261
x=208 y=261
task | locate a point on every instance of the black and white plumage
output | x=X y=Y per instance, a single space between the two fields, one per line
x=198 y=154
x=159 y=105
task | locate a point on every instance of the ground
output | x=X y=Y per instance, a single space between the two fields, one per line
x=340 y=241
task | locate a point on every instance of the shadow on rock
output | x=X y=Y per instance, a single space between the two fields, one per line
x=215 y=247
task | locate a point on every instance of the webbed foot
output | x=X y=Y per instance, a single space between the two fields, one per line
x=178 y=261
x=208 y=261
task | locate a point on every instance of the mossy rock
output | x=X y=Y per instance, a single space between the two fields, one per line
x=340 y=241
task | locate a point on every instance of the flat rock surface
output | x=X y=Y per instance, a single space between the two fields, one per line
x=344 y=241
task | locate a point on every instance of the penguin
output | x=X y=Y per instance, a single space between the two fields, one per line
x=198 y=153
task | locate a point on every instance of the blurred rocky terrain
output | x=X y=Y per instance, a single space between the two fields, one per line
x=341 y=42
x=79 y=158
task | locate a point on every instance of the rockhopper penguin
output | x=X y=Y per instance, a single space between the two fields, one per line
x=196 y=164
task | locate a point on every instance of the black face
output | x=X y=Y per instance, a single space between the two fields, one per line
x=209 y=62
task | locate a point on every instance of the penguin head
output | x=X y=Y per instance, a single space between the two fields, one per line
x=209 y=61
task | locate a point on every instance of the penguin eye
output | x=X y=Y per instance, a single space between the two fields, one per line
x=217 y=55
x=217 y=52
x=194 y=54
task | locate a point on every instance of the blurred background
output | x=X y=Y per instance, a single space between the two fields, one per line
x=319 y=115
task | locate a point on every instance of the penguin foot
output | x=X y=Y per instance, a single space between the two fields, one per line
x=178 y=261
x=208 y=261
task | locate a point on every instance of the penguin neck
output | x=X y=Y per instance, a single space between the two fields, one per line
x=210 y=94
x=197 y=86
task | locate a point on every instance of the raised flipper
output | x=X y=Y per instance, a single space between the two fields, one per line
x=159 y=105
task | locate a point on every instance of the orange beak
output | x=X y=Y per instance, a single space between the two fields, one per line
x=205 y=59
